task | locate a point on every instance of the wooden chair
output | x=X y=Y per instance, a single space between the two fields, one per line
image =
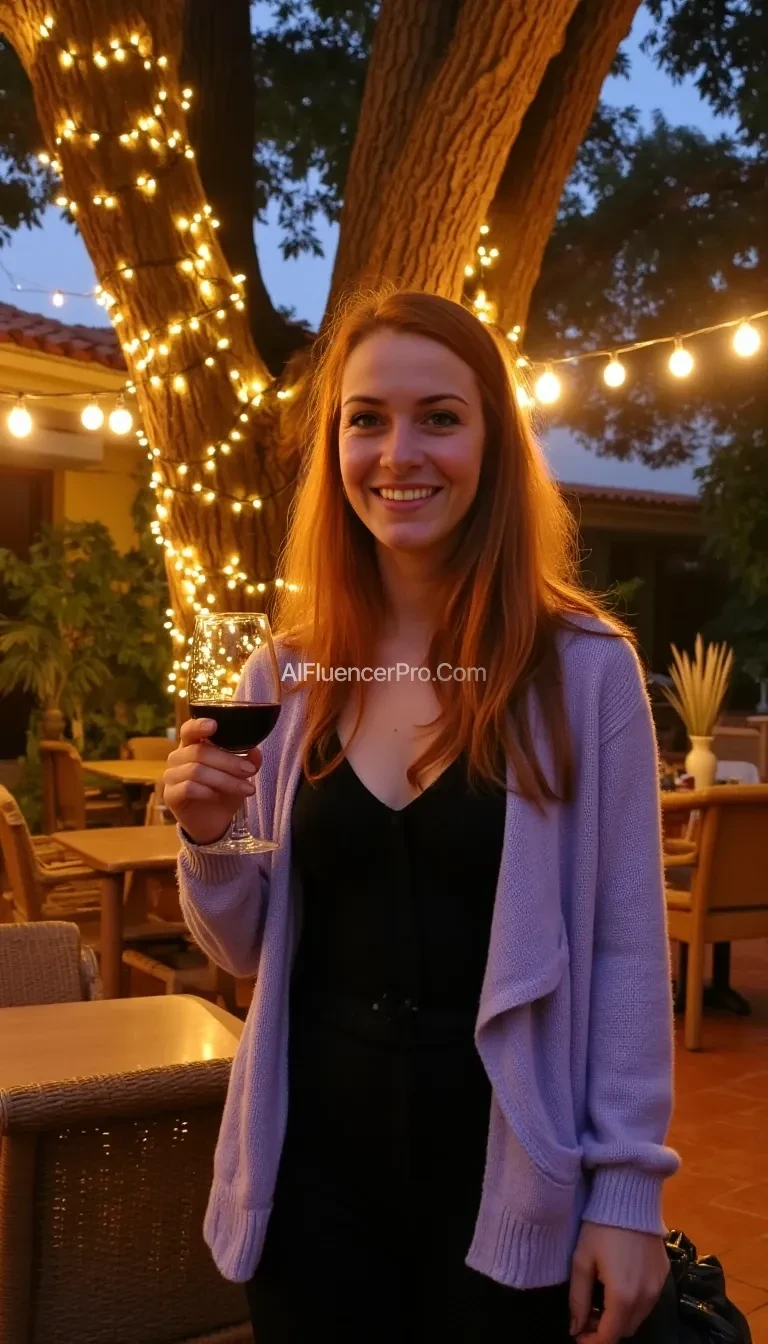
x=149 y=748
x=103 y=1186
x=65 y=889
x=67 y=804
x=46 y=963
x=728 y=895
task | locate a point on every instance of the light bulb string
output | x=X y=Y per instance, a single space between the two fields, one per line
x=166 y=331
x=614 y=352
x=244 y=500
x=244 y=409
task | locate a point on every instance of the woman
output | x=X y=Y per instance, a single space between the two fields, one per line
x=461 y=1137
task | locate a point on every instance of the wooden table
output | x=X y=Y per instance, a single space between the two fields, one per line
x=147 y=773
x=57 y=1042
x=113 y=852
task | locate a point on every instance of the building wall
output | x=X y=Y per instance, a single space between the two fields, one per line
x=102 y=493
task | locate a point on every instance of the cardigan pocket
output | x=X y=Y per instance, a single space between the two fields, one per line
x=523 y=1037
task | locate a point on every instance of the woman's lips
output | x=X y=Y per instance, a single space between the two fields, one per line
x=406 y=505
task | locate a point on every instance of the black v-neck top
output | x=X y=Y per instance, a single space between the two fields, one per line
x=397 y=904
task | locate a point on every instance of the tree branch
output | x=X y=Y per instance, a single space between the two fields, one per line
x=410 y=40
x=218 y=62
x=531 y=186
x=447 y=166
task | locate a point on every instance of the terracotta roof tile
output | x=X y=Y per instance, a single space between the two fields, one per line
x=630 y=495
x=35 y=331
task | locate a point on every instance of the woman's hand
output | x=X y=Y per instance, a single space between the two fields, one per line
x=632 y=1267
x=203 y=786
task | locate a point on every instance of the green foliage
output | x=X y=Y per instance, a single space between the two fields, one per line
x=25 y=187
x=87 y=635
x=743 y=623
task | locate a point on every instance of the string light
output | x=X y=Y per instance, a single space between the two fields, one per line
x=614 y=372
x=92 y=416
x=681 y=360
x=20 y=421
x=57 y=298
x=746 y=340
x=120 y=419
x=548 y=387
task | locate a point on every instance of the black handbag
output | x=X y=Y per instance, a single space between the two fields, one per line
x=705 y=1313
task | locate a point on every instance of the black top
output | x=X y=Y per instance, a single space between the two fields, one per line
x=397 y=903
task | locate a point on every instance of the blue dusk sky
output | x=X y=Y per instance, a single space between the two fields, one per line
x=53 y=257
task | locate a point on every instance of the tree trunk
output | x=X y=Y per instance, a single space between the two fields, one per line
x=137 y=227
x=217 y=61
x=439 y=176
x=525 y=206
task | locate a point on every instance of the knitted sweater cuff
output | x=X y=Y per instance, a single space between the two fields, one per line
x=626 y=1197
x=204 y=866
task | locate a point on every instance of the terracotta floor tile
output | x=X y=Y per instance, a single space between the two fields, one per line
x=749 y=1264
x=745 y=1297
x=752 y=1085
x=758 y=1324
x=749 y=1199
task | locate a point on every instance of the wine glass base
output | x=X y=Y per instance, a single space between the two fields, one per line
x=253 y=845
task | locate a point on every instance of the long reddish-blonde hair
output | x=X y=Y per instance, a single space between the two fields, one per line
x=512 y=581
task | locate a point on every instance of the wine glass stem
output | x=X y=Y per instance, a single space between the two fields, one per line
x=239 y=829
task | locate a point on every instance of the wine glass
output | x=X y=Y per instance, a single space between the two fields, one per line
x=222 y=646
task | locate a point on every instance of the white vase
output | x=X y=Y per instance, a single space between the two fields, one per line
x=701 y=762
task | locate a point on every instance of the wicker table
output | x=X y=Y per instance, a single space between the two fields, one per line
x=113 y=852
x=54 y=1043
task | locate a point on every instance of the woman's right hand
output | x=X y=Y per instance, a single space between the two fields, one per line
x=203 y=786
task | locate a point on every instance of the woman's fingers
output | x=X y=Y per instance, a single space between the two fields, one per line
x=197 y=730
x=218 y=781
x=582 y=1288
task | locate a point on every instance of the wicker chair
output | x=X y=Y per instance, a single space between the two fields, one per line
x=44 y=881
x=67 y=804
x=45 y=963
x=59 y=888
x=103 y=1186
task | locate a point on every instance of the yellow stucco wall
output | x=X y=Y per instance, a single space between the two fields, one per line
x=102 y=493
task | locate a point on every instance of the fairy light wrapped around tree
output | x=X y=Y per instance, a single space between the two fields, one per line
x=700 y=686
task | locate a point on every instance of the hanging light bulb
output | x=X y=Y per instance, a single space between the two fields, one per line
x=120 y=420
x=548 y=388
x=57 y=298
x=614 y=372
x=746 y=340
x=92 y=416
x=20 y=421
x=681 y=360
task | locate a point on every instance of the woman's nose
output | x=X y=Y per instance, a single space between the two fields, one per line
x=401 y=448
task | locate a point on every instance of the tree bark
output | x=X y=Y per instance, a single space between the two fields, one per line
x=141 y=232
x=450 y=158
x=410 y=41
x=217 y=61
x=543 y=153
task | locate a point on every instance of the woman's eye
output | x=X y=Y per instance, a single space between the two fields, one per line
x=364 y=420
x=442 y=419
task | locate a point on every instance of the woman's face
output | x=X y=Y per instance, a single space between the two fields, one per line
x=411 y=439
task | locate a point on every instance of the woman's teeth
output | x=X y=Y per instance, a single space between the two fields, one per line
x=408 y=494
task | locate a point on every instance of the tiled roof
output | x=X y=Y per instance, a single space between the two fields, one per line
x=97 y=345
x=626 y=495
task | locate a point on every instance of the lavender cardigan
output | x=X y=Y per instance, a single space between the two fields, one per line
x=574 y=1020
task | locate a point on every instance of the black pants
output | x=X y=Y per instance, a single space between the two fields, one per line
x=376 y=1202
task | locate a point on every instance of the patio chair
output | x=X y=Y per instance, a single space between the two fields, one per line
x=67 y=804
x=103 y=1186
x=728 y=895
x=149 y=748
x=46 y=963
x=61 y=888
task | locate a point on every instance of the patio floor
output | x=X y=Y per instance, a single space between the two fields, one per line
x=720 y=1197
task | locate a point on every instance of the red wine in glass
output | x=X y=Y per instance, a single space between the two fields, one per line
x=233 y=655
x=241 y=725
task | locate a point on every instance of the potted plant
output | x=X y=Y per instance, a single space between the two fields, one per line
x=697 y=693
